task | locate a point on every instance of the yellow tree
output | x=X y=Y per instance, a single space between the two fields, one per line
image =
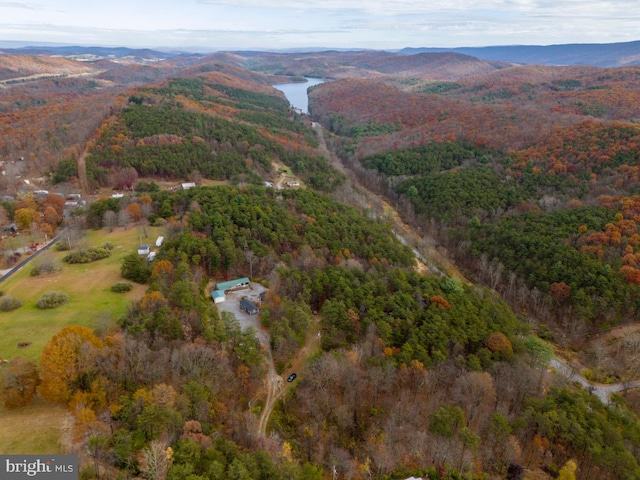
x=64 y=359
x=568 y=472
x=24 y=217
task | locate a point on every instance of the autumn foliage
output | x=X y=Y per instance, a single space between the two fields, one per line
x=64 y=359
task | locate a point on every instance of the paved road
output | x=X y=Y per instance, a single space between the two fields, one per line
x=8 y=273
x=602 y=391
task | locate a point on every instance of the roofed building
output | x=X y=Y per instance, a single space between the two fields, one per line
x=248 y=306
x=218 y=296
x=237 y=284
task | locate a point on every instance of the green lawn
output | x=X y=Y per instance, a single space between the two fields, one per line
x=93 y=304
x=37 y=428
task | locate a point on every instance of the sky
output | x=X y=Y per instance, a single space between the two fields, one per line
x=210 y=25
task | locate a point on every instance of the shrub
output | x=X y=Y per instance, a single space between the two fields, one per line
x=8 y=303
x=52 y=300
x=62 y=246
x=136 y=268
x=107 y=246
x=87 y=256
x=121 y=287
x=45 y=263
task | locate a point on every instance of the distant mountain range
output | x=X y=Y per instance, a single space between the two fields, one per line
x=595 y=54
x=77 y=51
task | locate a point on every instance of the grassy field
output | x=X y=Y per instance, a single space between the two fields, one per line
x=38 y=428
x=93 y=304
x=35 y=429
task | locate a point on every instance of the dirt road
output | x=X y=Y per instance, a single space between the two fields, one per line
x=423 y=246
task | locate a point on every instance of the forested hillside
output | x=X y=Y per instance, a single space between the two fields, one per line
x=530 y=170
x=214 y=125
x=526 y=176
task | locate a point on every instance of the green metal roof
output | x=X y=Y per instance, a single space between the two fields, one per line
x=232 y=283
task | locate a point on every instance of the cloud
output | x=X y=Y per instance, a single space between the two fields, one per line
x=331 y=23
x=22 y=5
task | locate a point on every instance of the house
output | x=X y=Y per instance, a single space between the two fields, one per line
x=248 y=306
x=188 y=185
x=218 y=296
x=159 y=241
x=237 y=284
x=144 y=249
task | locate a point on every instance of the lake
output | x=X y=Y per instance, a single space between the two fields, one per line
x=296 y=93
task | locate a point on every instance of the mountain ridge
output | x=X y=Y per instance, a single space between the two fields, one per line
x=596 y=54
x=616 y=54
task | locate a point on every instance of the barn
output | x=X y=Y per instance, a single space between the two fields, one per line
x=237 y=284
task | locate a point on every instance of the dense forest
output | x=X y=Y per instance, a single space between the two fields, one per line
x=527 y=177
x=541 y=194
x=177 y=376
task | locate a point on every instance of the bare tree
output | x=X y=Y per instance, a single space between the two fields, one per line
x=251 y=257
x=123 y=218
x=155 y=461
x=110 y=219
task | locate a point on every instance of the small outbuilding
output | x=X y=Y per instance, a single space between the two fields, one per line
x=144 y=250
x=218 y=296
x=159 y=241
x=151 y=257
x=248 y=306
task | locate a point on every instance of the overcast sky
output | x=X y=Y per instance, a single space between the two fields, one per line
x=278 y=24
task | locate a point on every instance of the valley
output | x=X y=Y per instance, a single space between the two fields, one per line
x=431 y=236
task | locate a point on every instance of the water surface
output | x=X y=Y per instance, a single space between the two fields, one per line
x=296 y=93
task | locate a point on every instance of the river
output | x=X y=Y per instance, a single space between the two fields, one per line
x=296 y=93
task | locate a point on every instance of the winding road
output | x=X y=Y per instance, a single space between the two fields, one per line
x=602 y=391
x=425 y=252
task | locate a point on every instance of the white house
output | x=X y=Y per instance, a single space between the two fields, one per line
x=144 y=249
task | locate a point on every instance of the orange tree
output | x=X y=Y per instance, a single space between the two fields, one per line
x=64 y=360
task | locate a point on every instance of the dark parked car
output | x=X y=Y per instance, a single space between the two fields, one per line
x=291 y=377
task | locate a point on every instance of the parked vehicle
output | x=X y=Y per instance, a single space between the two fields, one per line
x=291 y=377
